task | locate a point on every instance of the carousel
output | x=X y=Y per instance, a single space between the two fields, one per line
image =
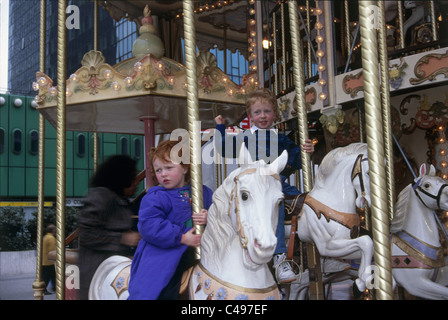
x=366 y=80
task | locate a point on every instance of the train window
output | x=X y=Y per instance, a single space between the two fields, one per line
x=17 y=141
x=81 y=145
x=124 y=145
x=34 y=142
x=137 y=148
x=2 y=140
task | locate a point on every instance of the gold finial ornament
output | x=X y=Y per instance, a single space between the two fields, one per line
x=148 y=42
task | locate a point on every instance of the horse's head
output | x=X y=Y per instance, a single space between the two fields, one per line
x=430 y=189
x=256 y=197
x=345 y=171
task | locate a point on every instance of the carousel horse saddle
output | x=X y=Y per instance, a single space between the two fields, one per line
x=294 y=209
x=294 y=206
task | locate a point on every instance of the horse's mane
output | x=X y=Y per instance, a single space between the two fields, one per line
x=334 y=157
x=400 y=210
x=219 y=230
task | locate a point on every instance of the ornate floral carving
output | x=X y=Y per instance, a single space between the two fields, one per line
x=353 y=83
x=429 y=67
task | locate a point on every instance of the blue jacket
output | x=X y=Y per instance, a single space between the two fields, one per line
x=284 y=143
x=165 y=214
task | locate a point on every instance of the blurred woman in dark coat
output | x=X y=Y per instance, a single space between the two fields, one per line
x=105 y=220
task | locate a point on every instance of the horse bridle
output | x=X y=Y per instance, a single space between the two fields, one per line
x=416 y=186
x=233 y=194
x=357 y=171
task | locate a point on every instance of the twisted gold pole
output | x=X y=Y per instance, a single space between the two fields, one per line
x=347 y=28
x=39 y=284
x=316 y=287
x=385 y=102
x=282 y=21
x=274 y=43
x=60 y=157
x=380 y=219
x=95 y=47
x=433 y=20
x=308 y=26
x=401 y=23
x=194 y=125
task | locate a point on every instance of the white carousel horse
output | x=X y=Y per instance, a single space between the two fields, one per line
x=239 y=239
x=237 y=243
x=417 y=254
x=111 y=279
x=329 y=218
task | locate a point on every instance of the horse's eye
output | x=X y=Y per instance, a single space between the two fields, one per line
x=244 y=196
x=427 y=185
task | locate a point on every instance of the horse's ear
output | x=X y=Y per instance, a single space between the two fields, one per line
x=422 y=170
x=244 y=157
x=432 y=171
x=279 y=164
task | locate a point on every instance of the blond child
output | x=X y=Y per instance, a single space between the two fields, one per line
x=262 y=109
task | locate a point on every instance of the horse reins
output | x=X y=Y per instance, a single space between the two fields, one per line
x=416 y=186
x=357 y=171
x=239 y=226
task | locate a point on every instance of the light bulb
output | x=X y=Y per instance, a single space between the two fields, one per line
x=74 y=77
x=115 y=86
x=138 y=66
x=128 y=81
x=108 y=74
x=42 y=82
x=53 y=91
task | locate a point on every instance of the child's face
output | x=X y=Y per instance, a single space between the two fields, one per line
x=168 y=174
x=262 y=114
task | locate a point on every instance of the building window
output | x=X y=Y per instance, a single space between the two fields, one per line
x=124 y=145
x=17 y=141
x=2 y=140
x=137 y=148
x=126 y=33
x=34 y=142
x=237 y=65
x=81 y=144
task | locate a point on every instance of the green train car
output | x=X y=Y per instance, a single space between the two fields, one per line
x=19 y=148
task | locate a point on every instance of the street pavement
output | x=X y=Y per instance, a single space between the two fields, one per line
x=19 y=287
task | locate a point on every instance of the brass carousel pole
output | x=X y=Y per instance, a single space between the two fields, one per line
x=194 y=125
x=39 y=284
x=385 y=102
x=95 y=47
x=400 y=23
x=274 y=43
x=316 y=287
x=380 y=219
x=433 y=20
x=61 y=155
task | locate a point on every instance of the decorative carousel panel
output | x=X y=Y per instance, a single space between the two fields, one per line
x=104 y=98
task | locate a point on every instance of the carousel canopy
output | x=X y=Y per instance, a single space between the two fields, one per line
x=105 y=98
